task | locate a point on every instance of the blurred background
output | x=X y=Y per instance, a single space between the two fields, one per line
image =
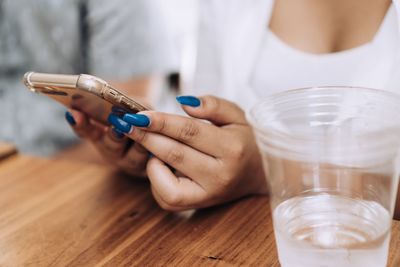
x=145 y=48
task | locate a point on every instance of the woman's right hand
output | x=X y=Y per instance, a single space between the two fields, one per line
x=115 y=147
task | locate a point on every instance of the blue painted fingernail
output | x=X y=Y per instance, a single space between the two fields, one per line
x=119 y=124
x=188 y=100
x=139 y=120
x=117 y=133
x=118 y=111
x=70 y=118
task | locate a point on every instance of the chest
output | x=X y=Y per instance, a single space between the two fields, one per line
x=328 y=26
x=280 y=66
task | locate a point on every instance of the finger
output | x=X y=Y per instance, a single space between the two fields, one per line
x=135 y=160
x=113 y=145
x=216 y=110
x=83 y=127
x=173 y=193
x=179 y=156
x=202 y=136
x=162 y=203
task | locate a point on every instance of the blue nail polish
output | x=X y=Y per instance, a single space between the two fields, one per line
x=117 y=133
x=70 y=118
x=118 y=111
x=119 y=124
x=138 y=120
x=188 y=100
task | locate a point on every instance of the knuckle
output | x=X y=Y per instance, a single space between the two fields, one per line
x=160 y=121
x=211 y=103
x=224 y=182
x=238 y=150
x=222 y=177
x=173 y=199
x=175 y=156
x=167 y=207
x=188 y=131
x=168 y=201
x=139 y=136
x=164 y=205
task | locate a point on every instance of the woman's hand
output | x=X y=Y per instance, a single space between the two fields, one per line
x=215 y=162
x=113 y=145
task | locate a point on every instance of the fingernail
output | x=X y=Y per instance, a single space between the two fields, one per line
x=70 y=118
x=139 y=120
x=188 y=100
x=118 y=111
x=117 y=134
x=119 y=124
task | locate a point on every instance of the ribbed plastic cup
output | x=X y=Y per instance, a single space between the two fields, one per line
x=331 y=158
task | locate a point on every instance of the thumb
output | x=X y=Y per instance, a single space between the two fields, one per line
x=216 y=110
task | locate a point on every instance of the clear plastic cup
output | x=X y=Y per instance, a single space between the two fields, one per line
x=331 y=158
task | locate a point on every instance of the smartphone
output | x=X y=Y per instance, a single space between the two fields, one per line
x=83 y=92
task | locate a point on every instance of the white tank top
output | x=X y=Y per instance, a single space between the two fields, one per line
x=279 y=66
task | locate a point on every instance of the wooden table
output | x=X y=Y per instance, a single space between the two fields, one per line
x=65 y=213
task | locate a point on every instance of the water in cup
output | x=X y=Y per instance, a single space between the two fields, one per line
x=331 y=230
x=331 y=156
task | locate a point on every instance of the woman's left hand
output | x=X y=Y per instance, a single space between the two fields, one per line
x=215 y=162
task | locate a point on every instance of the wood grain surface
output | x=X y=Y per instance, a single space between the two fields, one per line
x=65 y=213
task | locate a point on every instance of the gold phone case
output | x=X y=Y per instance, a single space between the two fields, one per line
x=85 y=93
